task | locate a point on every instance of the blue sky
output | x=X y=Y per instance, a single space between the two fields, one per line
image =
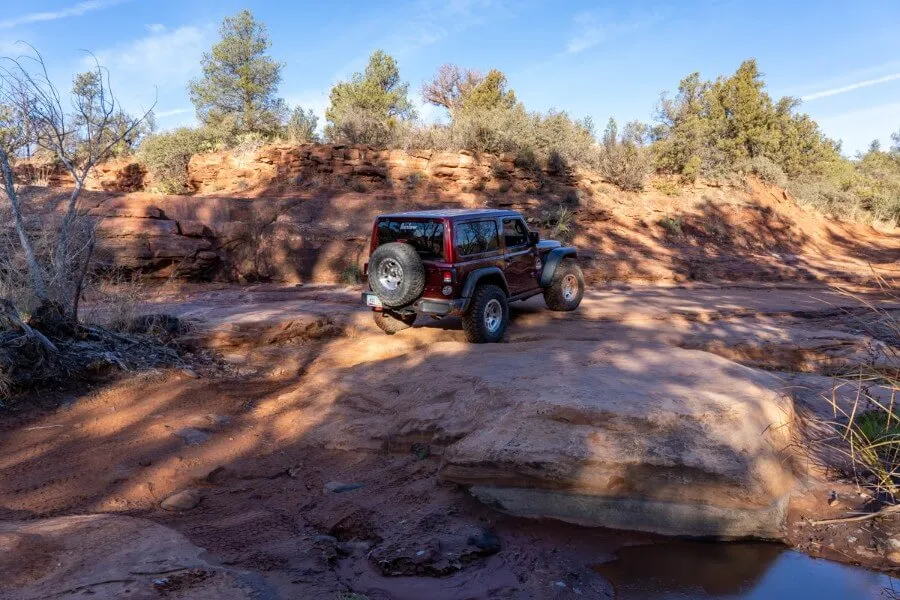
x=607 y=58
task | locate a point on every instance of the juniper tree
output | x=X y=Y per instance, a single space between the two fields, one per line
x=490 y=93
x=236 y=93
x=368 y=108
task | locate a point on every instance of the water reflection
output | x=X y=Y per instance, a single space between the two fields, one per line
x=699 y=570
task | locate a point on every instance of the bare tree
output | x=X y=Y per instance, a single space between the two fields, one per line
x=78 y=137
x=13 y=137
x=450 y=86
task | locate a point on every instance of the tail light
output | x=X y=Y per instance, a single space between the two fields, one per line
x=447 y=277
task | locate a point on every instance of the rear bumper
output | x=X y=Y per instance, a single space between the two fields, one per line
x=440 y=308
x=426 y=306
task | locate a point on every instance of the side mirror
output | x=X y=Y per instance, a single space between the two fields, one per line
x=533 y=238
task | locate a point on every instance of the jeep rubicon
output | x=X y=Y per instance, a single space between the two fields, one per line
x=469 y=263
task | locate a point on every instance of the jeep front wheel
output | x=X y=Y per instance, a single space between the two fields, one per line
x=488 y=315
x=391 y=323
x=567 y=287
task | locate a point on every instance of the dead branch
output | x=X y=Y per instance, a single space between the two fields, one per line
x=9 y=313
x=884 y=512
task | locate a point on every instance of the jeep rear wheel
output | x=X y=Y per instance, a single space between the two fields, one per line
x=488 y=315
x=567 y=287
x=391 y=323
x=396 y=274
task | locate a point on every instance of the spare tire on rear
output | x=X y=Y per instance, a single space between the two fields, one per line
x=396 y=274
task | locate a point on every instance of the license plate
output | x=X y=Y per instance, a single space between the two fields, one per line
x=373 y=300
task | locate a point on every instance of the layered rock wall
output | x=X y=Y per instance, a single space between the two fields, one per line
x=285 y=167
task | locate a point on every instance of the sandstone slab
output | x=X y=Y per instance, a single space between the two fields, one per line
x=617 y=434
x=106 y=557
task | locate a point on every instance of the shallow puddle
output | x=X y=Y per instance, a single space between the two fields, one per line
x=701 y=570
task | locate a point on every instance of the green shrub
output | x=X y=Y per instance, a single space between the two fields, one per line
x=667 y=187
x=166 y=156
x=526 y=160
x=556 y=163
x=672 y=226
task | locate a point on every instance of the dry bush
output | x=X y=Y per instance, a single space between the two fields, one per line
x=764 y=168
x=829 y=198
x=248 y=144
x=358 y=126
x=623 y=159
x=551 y=138
x=115 y=298
x=15 y=281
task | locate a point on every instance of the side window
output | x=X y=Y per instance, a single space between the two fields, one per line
x=514 y=233
x=476 y=237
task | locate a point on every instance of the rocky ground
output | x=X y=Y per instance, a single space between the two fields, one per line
x=319 y=457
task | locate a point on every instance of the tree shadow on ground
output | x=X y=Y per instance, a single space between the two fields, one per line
x=366 y=409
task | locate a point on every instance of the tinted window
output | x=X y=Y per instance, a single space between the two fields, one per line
x=427 y=237
x=514 y=233
x=476 y=237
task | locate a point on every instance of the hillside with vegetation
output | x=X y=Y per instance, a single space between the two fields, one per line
x=713 y=129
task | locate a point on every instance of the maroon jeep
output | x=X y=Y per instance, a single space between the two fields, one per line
x=470 y=263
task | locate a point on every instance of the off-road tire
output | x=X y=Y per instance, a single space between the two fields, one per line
x=404 y=261
x=561 y=296
x=474 y=320
x=391 y=323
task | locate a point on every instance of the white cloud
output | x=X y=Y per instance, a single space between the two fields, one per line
x=160 y=63
x=588 y=33
x=590 y=30
x=424 y=23
x=156 y=28
x=160 y=58
x=850 y=87
x=165 y=114
x=75 y=10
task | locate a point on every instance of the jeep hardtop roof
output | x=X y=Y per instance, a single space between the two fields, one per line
x=452 y=213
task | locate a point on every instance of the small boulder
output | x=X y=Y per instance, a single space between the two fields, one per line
x=183 y=500
x=192 y=436
x=486 y=541
x=339 y=487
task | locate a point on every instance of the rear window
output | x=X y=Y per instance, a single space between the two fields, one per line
x=477 y=237
x=427 y=237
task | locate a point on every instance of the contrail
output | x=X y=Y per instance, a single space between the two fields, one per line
x=75 y=10
x=850 y=88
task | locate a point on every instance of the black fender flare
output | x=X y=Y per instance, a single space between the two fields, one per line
x=477 y=275
x=552 y=261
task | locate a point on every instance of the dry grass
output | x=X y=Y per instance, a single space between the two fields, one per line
x=867 y=427
x=115 y=298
